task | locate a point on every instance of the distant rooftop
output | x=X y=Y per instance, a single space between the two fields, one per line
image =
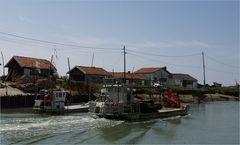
x=147 y=70
x=92 y=70
x=183 y=77
x=120 y=75
x=29 y=62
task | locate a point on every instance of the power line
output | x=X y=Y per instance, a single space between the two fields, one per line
x=220 y=71
x=154 y=54
x=215 y=60
x=116 y=61
x=43 y=45
x=109 y=50
x=78 y=46
x=22 y=42
x=155 y=60
x=55 y=43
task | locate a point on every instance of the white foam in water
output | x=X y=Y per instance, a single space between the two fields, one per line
x=24 y=126
x=172 y=118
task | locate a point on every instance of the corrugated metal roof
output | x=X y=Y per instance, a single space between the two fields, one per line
x=29 y=62
x=184 y=77
x=148 y=70
x=93 y=70
x=120 y=75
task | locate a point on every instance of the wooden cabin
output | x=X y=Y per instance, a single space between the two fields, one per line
x=19 y=66
x=89 y=74
x=184 y=80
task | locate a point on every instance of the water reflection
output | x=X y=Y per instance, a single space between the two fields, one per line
x=126 y=130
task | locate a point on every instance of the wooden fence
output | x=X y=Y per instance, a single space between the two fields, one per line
x=17 y=101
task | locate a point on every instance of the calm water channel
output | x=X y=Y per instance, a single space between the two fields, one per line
x=215 y=122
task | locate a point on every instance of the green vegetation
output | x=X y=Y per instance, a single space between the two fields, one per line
x=96 y=88
x=232 y=90
x=63 y=83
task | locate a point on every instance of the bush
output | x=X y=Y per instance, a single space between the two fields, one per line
x=63 y=83
x=233 y=91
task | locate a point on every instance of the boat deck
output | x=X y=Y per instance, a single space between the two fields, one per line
x=76 y=108
x=169 y=110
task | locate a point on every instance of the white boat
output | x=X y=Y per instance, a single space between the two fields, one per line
x=117 y=102
x=52 y=101
x=55 y=101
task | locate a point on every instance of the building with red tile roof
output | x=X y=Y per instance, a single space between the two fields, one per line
x=147 y=70
x=20 y=65
x=86 y=73
x=155 y=75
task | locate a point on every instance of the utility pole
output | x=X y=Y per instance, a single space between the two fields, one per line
x=124 y=57
x=204 y=79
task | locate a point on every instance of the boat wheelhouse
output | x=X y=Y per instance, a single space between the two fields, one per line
x=51 y=101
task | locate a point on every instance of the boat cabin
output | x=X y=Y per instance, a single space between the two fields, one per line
x=50 y=101
x=118 y=93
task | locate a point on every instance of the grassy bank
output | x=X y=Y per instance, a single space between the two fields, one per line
x=232 y=91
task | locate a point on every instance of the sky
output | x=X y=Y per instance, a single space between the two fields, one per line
x=155 y=33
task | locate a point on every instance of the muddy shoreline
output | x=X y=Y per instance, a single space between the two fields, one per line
x=192 y=98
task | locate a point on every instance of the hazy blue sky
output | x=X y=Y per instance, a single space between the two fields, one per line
x=151 y=31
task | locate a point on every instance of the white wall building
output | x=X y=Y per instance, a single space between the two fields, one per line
x=155 y=75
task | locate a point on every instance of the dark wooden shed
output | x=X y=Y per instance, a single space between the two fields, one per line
x=91 y=74
x=19 y=66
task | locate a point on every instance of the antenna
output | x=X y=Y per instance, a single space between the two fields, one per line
x=92 y=60
x=3 y=64
x=55 y=57
x=4 y=73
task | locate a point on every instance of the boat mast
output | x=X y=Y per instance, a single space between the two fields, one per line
x=49 y=73
x=69 y=76
x=204 y=79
